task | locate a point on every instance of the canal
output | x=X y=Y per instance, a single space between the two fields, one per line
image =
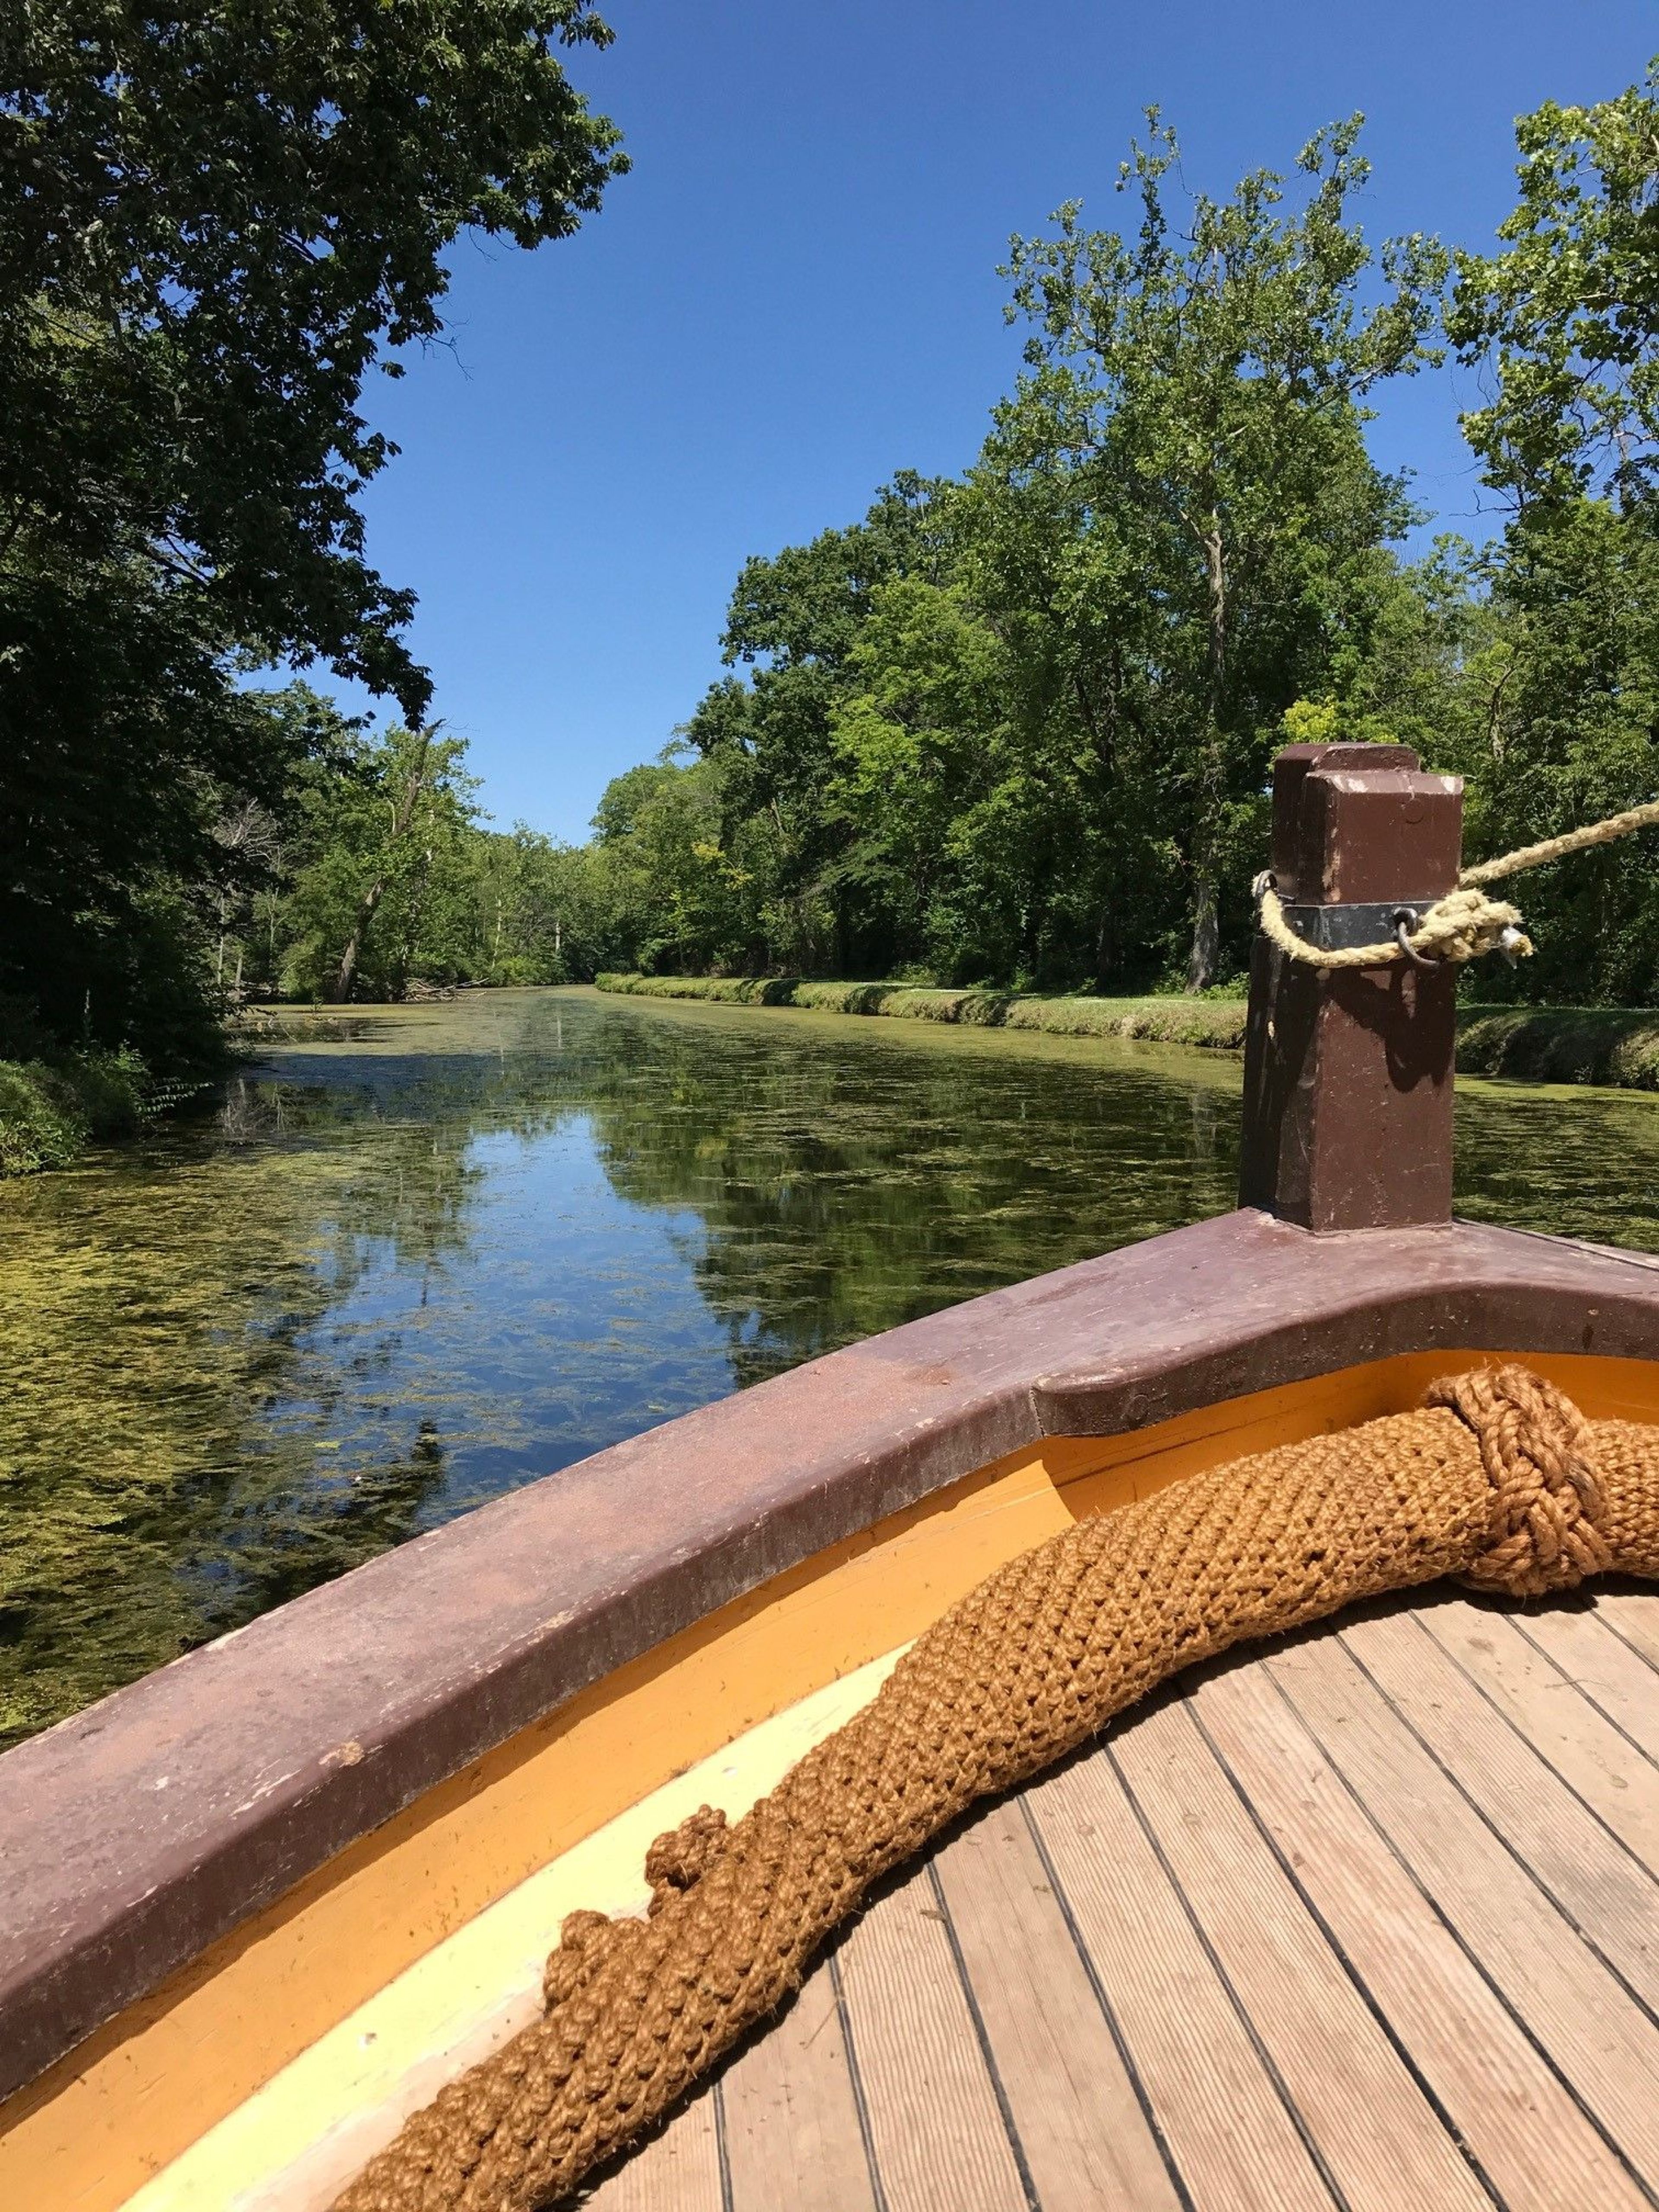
x=423 y=1254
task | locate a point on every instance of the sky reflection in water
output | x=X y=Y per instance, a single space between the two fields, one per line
x=433 y=1253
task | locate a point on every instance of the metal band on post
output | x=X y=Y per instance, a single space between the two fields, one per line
x=1349 y=1072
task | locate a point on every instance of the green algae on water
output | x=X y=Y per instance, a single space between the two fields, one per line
x=425 y=1254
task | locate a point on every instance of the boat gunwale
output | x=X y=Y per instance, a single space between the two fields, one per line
x=135 y=1835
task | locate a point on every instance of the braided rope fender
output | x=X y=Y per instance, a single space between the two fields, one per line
x=1496 y=1478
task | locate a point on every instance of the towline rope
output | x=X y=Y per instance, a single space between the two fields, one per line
x=1496 y=1478
x=1464 y=924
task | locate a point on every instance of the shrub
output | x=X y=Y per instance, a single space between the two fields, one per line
x=50 y=1110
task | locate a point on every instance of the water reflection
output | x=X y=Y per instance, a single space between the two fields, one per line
x=429 y=1255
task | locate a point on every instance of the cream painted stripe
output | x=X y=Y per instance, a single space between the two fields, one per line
x=296 y=2142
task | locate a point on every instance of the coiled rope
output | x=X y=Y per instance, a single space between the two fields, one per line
x=1496 y=1478
x=1465 y=923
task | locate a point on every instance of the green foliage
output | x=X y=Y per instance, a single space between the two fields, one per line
x=1565 y=315
x=38 y=1125
x=215 y=224
x=1560 y=1044
x=1015 y=732
x=387 y=864
x=1555 y=702
x=676 y=893
x=1209 y=388
x=377 y=875
x=216 y=219
x=50 y=1110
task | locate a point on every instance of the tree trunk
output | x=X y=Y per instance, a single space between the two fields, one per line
x=1212 y=777
x=412 y=926
x=402 y=817
x=354 y=944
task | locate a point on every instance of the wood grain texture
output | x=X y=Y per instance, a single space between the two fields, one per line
x=1608 y=1894
x=1605 y=2046
x=1234 y=2141
x=1633 y=1615
x=1380 y=2140
x=1521 y=2125
x=941 y=2141
x=1606 y=1769
x=792 y=2138
x=1075 y=2107
x=1608 y=1668
x=679 y=2170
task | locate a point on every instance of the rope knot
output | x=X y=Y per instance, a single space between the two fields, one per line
x=1548 y=1505
x=679 y=1859
x=1465 y=923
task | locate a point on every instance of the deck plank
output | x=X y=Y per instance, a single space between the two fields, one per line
x=679 y=2170
x=1549 y=1708
x=1234 y=2141
x=794 y=2143
x=1312 y=1934
x=940 y=2140
x=1521 y=2125
x=1633 y=1615
x=1381 y=2141
x=1614 y=1675
x=1608 y=1893
x=1603 y=2044
x=1076 y=2110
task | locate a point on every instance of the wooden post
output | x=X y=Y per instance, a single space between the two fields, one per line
x=1348 y=1072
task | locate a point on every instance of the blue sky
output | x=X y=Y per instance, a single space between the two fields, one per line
x=795 y=293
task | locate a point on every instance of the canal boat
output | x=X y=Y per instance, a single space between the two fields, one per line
x=1356 y=1905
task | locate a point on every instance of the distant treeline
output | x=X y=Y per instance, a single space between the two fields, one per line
x=1016 y=729
x=376 y=872
x=1012 y=729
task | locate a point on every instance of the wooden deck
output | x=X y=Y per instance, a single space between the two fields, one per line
x=1369 y=1921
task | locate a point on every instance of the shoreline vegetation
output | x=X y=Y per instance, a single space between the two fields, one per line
x=1612 y=1048
x=50 y=1110
x=1013 y=726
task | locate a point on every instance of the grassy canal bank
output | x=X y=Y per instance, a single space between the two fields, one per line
x=1614 y=1046
x=50 y=1111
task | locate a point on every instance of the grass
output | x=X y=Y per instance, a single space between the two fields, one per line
x=1213 y=1024
x=1617 y=1046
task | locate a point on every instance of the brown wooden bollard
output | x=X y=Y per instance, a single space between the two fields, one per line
x=1349 y=1072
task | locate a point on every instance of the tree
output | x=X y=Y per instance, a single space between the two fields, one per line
x=1214 y=375
x=388 y=840
x=215 y=218
x=795 y=620
x=214 y=222
x=546 y=910
x=1563 y=322
x=1565 y=316
x=679 y=898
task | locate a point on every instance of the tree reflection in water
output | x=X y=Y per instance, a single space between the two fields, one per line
x=428 y=1253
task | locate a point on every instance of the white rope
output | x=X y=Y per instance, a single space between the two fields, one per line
x=1465 y=923
x=1460 y=927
